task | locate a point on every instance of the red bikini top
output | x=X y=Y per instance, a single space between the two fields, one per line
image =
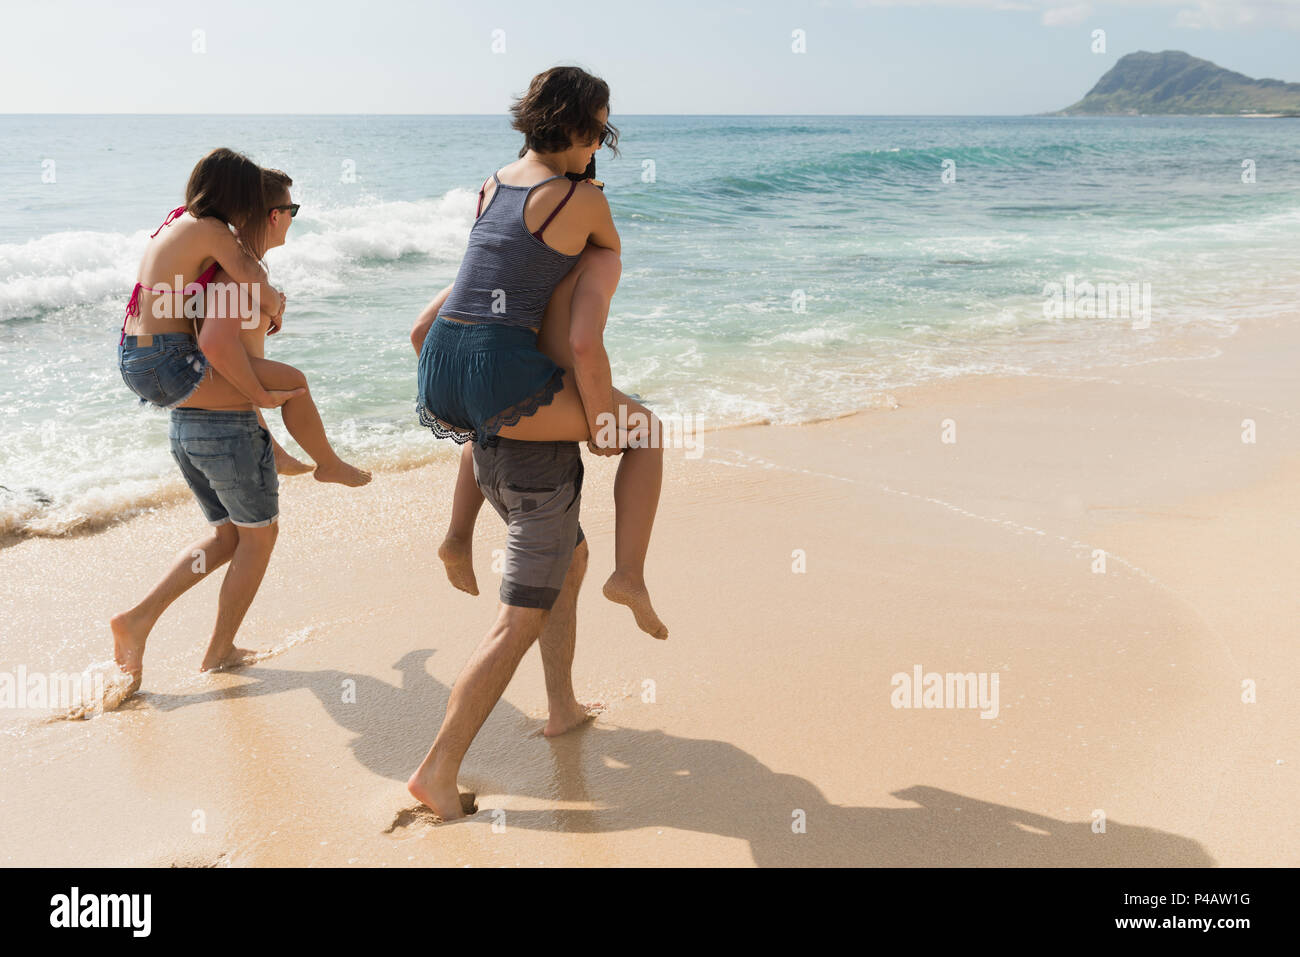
x=198 y=285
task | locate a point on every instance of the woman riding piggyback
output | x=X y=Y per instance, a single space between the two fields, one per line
x=158 y=352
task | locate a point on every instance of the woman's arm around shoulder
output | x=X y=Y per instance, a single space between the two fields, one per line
x=238 y=262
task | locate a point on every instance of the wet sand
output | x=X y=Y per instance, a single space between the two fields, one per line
x=1120 y=691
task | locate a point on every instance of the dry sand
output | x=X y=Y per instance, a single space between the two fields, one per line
x=1120 y=692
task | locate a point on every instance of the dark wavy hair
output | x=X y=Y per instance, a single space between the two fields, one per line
x=230 y=187
x=561 y=102
x=275 y=185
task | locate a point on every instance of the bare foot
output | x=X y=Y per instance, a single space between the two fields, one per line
x=286 y=464
x=632 y=592
x=341 y=473
x=231 y=659
x=129 y=637
x=567 y=719
x=420 y=814
x=458 y=558
x=442 y=799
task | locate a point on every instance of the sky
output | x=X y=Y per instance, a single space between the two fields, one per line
x=876 y=57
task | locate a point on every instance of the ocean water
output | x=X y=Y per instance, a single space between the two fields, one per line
x=775 y=269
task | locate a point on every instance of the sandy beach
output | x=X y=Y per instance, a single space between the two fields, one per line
x=799 y=568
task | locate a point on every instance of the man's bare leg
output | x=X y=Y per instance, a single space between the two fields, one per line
x=457 y=548
x=477 y=690
x=557 y=641
x=243 y=577
x=192 y=564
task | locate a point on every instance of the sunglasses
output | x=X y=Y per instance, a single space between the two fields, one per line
x=291 y=207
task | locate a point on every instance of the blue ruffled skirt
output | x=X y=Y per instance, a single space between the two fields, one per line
x=477 y=378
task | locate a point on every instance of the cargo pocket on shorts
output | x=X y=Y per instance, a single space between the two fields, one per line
x=220 y=469
x=530 y=496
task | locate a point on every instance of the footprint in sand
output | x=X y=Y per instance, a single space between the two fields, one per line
x=222 y=860
x=101 y=687
x=419 y=814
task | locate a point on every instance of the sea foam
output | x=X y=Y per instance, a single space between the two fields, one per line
x=327 y=247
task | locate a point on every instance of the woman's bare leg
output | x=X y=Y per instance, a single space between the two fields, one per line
x=457 y=548
x=636 y=500
x=637 y=485
x=300 y=415
x=285 y=464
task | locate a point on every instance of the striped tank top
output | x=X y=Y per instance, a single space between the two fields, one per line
x=508 y=273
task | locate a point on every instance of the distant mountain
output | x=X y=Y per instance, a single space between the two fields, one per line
x=1174 y=82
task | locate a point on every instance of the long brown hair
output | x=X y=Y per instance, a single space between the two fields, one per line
x=230 y=187
x=561 y=101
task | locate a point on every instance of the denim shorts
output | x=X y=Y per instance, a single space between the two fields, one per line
x=229 y=464
x=536 y=488
x=164 y=369
x=475 y=378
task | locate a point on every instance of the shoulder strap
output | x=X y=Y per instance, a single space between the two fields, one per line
x=170 y=217
x=480 y=193
x=573 y=184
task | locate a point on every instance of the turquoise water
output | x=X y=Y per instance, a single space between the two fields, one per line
x=775 y=268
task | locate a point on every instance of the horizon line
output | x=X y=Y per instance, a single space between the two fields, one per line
x=1046 y=114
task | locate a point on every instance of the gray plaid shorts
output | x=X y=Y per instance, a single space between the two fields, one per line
x=536 y=488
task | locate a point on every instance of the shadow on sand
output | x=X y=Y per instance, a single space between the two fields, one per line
x=644 y=779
